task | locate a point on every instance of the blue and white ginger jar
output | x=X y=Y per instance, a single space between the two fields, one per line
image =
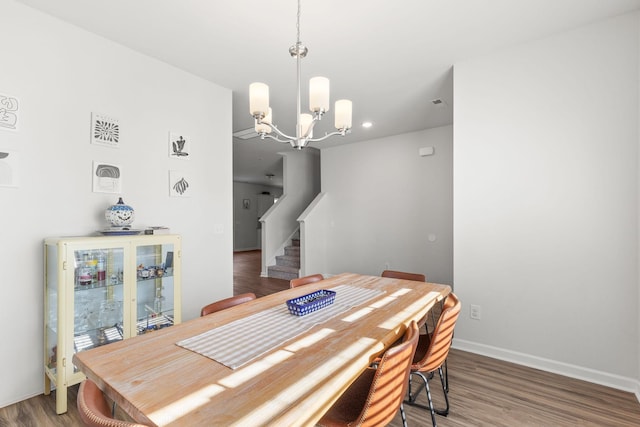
x=120 y=215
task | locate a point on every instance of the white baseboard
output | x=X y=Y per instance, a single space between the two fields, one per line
x=586 y=374
x=4 y=404
x=246 y=249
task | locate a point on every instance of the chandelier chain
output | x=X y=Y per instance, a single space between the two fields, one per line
x=298 y=24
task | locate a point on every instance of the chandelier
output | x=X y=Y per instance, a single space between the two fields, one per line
x=318 y=106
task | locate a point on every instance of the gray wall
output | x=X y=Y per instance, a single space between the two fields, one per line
x=245 y=221
x=61 y=75
x=546 y=202
x=390 y=208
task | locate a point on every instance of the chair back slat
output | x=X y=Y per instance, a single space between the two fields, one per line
x=226 y=303
x=294 y=283
x=417 y=277
x=94 y=410
x=441 y=337
x=390 y=382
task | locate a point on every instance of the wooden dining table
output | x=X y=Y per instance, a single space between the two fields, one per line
x=159 y=381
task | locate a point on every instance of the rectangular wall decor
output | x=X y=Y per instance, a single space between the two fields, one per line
x=105 y=130
x=9 y=109
x=107 y=178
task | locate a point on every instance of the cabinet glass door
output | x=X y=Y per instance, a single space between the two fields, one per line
x=51 y=308
x=98 y=297
x=155 y=302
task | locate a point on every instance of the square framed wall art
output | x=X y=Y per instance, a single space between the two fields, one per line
x=180 y=184
x=105 y=130
x=107 y=178
x=9 y=109
x=179 y=146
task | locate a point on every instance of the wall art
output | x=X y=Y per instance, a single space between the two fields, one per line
x=107 y=178
x=9 y=162
x=180 y=184
x=179 y=146
x=105 y=130
x=9 y=109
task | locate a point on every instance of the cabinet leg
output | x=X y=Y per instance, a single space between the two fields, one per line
x=61 y=399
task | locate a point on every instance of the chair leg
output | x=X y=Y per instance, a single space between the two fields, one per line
x=413 y=396
x=403 y=415
x=446 y=376
x=444 y=412
x=425 y=379
x=412 y=401
x=433 y=412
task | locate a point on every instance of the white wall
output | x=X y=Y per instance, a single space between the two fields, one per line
x=313 y=236
x=546 y=202
x=61 y=74
x=301 y=170
x=637 y=391
x=386 y=202
x=245 y=221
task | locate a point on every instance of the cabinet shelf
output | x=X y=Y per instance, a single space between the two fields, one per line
x=148 y=279
x=97 y=285
x=80 y=316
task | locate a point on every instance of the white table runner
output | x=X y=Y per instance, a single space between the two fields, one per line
x=241 y=341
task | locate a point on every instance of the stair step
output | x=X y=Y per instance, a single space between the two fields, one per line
x=282 y=272
x=288 y=261
x=292 y=251
x=295 y=242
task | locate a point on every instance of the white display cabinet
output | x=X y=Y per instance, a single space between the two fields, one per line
x=99 y=290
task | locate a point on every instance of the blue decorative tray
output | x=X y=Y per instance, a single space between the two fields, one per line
x=311 y=302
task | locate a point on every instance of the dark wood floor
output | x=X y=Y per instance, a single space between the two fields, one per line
x=246 y=275
x=483 y=391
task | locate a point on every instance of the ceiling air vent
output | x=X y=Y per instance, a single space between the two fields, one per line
x=245 y=134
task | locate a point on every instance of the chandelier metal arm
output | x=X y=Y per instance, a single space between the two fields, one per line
x=341 y=132
x=316 y=118
x=279 y=132
x=275 y=138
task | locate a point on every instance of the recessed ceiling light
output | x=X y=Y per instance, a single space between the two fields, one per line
x=367 y=124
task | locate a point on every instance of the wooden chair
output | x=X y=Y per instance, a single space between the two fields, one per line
x=226 y=303
x=431 y=354
x=403 y=275
x=294 y=283
x=376 y=395
x=417 y=277
x=94 y=409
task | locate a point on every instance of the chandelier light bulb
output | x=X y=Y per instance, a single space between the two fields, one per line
x=343 y=114
x=305 y=124
x=263 y=127
x=258 y=99
x=319 y=95
x=269 y=117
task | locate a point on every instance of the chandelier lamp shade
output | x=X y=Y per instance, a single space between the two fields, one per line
x=319 y=104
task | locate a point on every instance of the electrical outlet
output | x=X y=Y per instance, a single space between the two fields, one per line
x=475 y=312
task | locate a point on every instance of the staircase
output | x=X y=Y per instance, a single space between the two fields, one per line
x=288 y=265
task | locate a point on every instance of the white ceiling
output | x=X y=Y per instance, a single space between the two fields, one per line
x=391 y=58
